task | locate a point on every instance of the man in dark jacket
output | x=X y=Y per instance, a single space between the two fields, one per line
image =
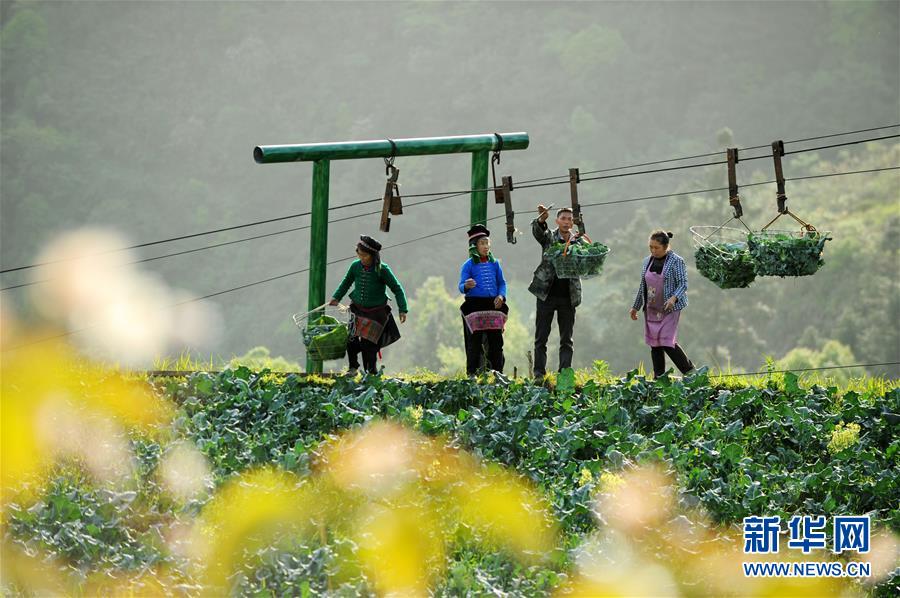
x=559 y=295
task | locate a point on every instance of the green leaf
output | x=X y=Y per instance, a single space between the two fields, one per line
x=733 y=452
x=791 y=384
x=565 y=382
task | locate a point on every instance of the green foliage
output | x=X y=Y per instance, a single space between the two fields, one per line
x=259 y=358
x=727 y=265
x=436 y=330
x=786 y=255
x=831 y=353
x=90 y=528
x=302 y=570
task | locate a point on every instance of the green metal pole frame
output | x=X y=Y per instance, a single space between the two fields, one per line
x=318 y=244
x=478 y=211
x=382 y=148
x=321 y=155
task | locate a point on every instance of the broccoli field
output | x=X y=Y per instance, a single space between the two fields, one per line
x=654 y=468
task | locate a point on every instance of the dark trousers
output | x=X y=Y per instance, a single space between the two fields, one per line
x=565 y=319
x=475 y=342
x=676 y=354
x=369 y=351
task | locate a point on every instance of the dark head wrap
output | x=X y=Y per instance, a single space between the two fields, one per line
x=372 y=247
x=479 y=231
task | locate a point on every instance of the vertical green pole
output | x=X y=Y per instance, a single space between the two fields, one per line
x=318 y=244
x=479 y=181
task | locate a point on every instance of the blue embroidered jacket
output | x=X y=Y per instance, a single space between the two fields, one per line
x=488 y=277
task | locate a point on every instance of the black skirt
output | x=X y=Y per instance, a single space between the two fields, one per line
x=473 y=304
x=381 y=314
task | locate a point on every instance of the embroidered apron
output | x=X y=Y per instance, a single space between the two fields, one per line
x=660 y=327
x=480 y=315
x=374 y=324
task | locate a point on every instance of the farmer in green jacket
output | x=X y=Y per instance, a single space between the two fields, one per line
x=371 y=325
x=554 y=295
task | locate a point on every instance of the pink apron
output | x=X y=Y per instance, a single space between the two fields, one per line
x=660 y=327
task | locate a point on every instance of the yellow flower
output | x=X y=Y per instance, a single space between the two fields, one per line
x=54 y=403
x=586 y=477
x=843 y=436
x=610 y=481
x=248 y=513
x=503 y=509
x=415 y=413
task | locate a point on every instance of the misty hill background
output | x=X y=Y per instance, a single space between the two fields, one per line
x=143 y=116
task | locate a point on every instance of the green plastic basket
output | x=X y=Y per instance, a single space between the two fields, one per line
x=579 y=265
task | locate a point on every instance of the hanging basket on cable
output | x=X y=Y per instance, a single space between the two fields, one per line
x=581 y=260
x=723 y=257
x=325 y=336
x=722 y=254
x=786 y=252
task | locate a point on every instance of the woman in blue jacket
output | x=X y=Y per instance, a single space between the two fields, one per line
x=663 y=294
x=484 y=310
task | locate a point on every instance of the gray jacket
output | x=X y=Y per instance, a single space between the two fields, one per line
x=545 y=273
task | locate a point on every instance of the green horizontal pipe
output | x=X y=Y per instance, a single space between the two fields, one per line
x=381 y=148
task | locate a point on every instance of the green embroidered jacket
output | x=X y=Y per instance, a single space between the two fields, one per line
x=369 y=286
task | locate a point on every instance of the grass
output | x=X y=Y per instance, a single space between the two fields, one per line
x=186 y=362
x=600 y=374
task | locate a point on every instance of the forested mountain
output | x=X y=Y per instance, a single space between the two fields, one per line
x=142 y=117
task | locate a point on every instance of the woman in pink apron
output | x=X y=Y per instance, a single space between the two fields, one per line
x=662 y=294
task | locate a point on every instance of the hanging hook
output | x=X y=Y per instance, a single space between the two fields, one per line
x=574 y=179
x=496 y=156
x=389 y=162
x=495 y=159
x=733 y=198
x=781 y=197
x=506 y=190
x=777 y=153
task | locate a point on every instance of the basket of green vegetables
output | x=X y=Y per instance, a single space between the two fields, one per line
x=579 y=260
x=787 y=253
x=325 y=336
x=723 y=256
